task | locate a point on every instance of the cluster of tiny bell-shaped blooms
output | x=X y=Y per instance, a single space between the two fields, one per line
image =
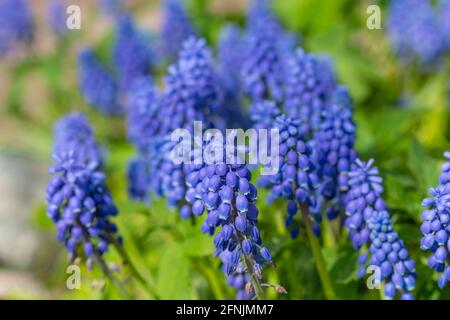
x=226 y=193
x=309 y=85
x=132 y=53
x=81 y=206
x=296 y=178
x=98 y=85
x=192 y=91
x=436 y=227
x=176 y=27
x=334 y=143
x=369 y=222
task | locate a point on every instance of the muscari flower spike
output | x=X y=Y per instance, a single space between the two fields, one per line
x=414 y=31
x=309 y=85
x=296 y=178
x=97 y=84
x=16 y=25
x=138 y=176
x=193 y=90
x=74 y=133
x=81 y=206
x=369 y=222
x=263 y=114
x=225 y=192
x=229 y=54
x=132 y=54
x=334 y=145
x=262 y=68
x=175 y=29
x=142 y=108
x=435 y=226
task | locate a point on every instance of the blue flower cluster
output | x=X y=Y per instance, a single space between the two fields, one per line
x=435 y=227
x=193 y=90
x=296 y=178
x=230 y=49
x=225 y=192
x=262 y=69
x=263 y=114
x=444 y=20
x=334 y=145
x=368 y=221
x=175 y=29
x=142 y=113
x=73 y=133
x=417 y=32
x=79 y=202
x=132 y=53
x=16 y=25
x=310 y=82
x=97 y=84
x=138 y=177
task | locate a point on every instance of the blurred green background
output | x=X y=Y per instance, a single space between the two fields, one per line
x=402 y=118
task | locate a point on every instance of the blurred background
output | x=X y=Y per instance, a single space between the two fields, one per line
x=401 y=111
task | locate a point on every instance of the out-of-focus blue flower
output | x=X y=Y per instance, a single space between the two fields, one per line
x=225 y=192
x=435 y=226
x=262 y=69
x=73 y=133
x=444 y=20
x=16 y=25
x=193 y=90
x=230 y=49
x=334 y=145
x=133 y=56
x=415 y=32
x=264 y=113
x=175 y=29
x=81 y=206
x=296 y=178
x=58 y=17
x=310 y=82
x=97 y=84
x=113 y=8
x=368 y=221
x=142 y=113
x=138 y=179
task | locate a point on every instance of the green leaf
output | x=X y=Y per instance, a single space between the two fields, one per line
x=423 y=167
x=173 y=281
x=198 y=245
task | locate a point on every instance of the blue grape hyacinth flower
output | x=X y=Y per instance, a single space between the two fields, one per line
x=414 y=31
x=132 y=54
x=175 y=29
x=310 y=83
x=435 y=225
x=81 y=206
x=334 y=143
x=138 y=176
x=16 y=25
x=142 y=111
x=193 y=90
x=368 y=222
x=296 y=178
x=73 y=133
x=225 y=192
x=98 y=85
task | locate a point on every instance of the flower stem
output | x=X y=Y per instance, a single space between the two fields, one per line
x=134 y=271
x=317 y=253
x=107 y=272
